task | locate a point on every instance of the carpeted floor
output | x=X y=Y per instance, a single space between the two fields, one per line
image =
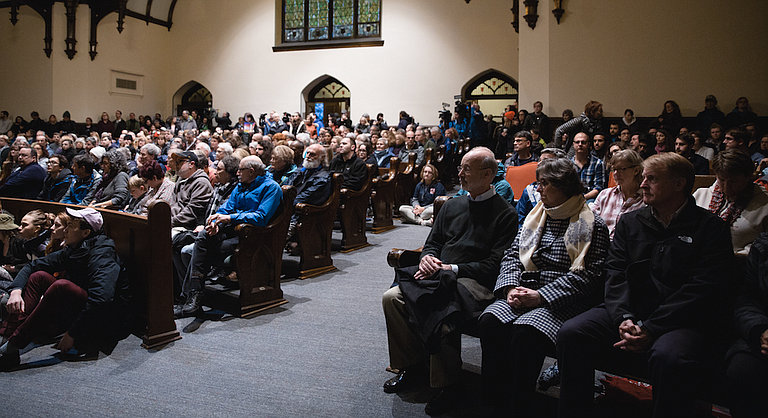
x=322 y=354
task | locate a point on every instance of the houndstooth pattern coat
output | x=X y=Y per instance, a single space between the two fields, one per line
x=565 y=293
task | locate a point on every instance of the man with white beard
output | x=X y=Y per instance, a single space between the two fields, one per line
x=312 y=183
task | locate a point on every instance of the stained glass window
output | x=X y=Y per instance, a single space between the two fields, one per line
x=325 y=20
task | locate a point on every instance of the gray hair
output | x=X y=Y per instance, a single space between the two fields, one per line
x=304 y=137
x=630 y=157
x=255 y=163
x=205 y=147
x=557 y=152
x=151 y=149
x=80 y=141
x=560 y=173
x=227 y=147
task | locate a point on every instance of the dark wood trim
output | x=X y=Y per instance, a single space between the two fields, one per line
x=148 y=19
x=343 y=43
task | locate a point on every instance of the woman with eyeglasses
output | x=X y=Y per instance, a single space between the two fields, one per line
x=551 y=273
x=58 y=180
x=626 y=196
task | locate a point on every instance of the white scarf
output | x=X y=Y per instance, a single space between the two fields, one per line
x=577 y=237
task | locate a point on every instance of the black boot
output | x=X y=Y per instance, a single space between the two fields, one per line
x=194 y=303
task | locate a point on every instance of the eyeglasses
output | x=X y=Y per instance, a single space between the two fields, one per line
x=468 y=169
x=621 y=170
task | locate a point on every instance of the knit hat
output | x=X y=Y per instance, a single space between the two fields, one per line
x=6 y=222
x=66 y=114
x=98 y=152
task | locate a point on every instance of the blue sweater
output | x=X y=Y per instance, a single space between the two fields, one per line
x=253 y=203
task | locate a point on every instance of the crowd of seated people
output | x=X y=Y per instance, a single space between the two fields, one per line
x=197 y=163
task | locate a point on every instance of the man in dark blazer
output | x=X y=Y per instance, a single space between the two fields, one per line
x=667 y=293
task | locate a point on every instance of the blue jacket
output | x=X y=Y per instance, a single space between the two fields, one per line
x=425 y=195
x=254 y=203
x=285 y=175
x=79 y=188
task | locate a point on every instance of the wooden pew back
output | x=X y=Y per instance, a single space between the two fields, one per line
x=144 y=247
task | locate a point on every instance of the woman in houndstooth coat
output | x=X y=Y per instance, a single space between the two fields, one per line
x=552 y=272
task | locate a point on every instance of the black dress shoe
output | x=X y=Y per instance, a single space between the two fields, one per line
x=405 y=379
x=446 y=399
x=194 y=303
x=9 y=361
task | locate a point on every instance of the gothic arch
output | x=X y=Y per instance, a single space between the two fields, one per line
x=192 y=96
x=328 y=91
x=490 y=84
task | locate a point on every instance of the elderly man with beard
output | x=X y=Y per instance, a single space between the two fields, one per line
x=312 y=183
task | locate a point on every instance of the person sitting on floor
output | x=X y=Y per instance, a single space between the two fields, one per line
x=254 y=201
x=89 y=306
x=458 y=266
x=552 y=272
x=420 y=210
x=667 y=283
x=29 y=244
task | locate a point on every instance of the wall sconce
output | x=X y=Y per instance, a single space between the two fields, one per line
x=558 y=10
x=531 y=12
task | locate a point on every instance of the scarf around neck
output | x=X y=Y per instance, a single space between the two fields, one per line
x=733 y=209
x=578 y=236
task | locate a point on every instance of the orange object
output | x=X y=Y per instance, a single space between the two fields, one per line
x=521 y=176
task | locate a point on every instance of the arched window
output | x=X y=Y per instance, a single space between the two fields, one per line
x=328 y=96
x=329 y=21
x=491 y=84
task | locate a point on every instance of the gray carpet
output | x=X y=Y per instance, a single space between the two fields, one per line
x=322 y=354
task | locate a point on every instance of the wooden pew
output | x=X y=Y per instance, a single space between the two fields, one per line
x=144 y=247
x=383 y=197
x=442 y=162
x=313 y=229
x=703 y=180
x=352 y=210
x=258 y=261
x=405 y=184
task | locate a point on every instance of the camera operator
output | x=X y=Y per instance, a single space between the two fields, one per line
x=223 y=121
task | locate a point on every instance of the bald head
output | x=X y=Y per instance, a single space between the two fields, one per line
x=478 y=168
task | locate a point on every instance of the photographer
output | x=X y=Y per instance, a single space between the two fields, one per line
x=223 y=121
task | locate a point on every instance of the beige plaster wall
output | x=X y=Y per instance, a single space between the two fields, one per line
x=56 y=84
x=26 y=72
x=638 y=54
x=432 y=48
